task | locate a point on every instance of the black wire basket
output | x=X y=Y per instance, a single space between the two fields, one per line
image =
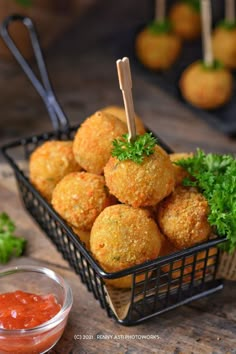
x=166 y=282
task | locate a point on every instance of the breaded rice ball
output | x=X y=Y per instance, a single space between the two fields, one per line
x=157 y=51
x=119 y=112
x=182 y=217
x=185 y=20
x=80 y=197
x=143 y=184
x=49 y=163
x=93 y=141
x=185 y=266
x=84 y=236
x=179 y=172
x=224 y=46
x=206 y=88
x=122 y=237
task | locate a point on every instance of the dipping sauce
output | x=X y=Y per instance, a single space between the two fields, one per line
x=22 y=310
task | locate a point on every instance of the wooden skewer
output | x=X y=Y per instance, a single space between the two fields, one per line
x=125 y=82
x=230 y=10
x=160 y=6
x=206 y=32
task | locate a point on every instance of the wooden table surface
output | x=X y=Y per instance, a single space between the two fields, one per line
x=85 y=79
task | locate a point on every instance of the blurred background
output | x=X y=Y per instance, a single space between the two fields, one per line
x=82 y=39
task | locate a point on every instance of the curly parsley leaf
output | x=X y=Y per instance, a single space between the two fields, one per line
x=215 y=176
x=159 y=27
x=135 y=150
x=216 y=65
x=10 y=245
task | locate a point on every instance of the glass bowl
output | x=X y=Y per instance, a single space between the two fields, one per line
x=40 y=281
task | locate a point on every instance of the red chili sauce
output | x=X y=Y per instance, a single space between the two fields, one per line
x=22 y=310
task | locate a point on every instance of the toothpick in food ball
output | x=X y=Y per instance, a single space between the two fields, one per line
x=206 y=84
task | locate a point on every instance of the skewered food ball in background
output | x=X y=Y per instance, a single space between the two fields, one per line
x=143 y=184
x=182 y=217
x=224 y=45
x=157 y=47
x=207 y=88
x=179 y=172
x=185 y=19
x=122 y=237
x=80 y=197
x=49 y=163
x=119 y=112
x=93 y=140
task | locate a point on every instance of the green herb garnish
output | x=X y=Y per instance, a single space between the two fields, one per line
x=10 y=245
x=217 y=65
x=135 y=150
x=195 y=4
x=157 y=27
x=227 y=25
x=215 y=176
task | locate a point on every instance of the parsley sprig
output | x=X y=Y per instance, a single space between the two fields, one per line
x=229 y=26
x=215 y=176
x=135 y=150
x=159 y=27
x=10 y=245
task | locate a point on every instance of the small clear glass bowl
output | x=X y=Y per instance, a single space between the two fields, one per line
x=40 y=281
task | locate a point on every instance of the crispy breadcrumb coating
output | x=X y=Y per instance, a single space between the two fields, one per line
x=80 y=197
x=122 y=237
x=49 y=163
x=93 y=141
x=143 y=184
x=182 y=217
x=119 y=112
x=179 y=172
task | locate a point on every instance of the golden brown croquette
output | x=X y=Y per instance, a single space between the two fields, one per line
x=157 y=51
x=143 y=184
x=80 y=197
x=122 y=237
x=49 y=163
x=119 y=112
x=224 y=46
x=185 y=20
x=93 y=140
x=182 y=217
x=179 y=172
x=84 y=236
x=206 y=88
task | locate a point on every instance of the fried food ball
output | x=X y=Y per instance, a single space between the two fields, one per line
x=143 y=184
x=205 y=87
x=119 y=112
x=224 y=46
x=93 y=141
x=157 y=51
x=179 y=172
x=80 y=197
x=122 y=237
x=49 y=163
x=185 y=267
x=185 y=20
x=182 y=217
x=84 y=236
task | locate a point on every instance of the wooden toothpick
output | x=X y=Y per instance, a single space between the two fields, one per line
x=230 y=11
x=206 y=32
x=160 y=6
x=125 y=81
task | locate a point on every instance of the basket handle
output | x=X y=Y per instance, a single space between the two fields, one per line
x=44 y=88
